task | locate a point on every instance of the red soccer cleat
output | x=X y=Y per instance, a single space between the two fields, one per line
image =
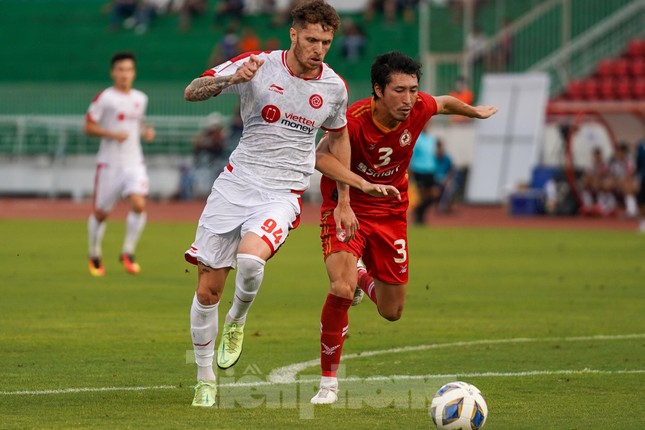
x=129 y=264
x=95 y=265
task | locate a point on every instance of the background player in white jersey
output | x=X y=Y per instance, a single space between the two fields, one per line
x=116 y=116
x=286 y=97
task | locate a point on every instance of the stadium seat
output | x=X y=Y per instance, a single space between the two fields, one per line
x=621 y=67
x=636 y=48
x=590 y=89
x=624 y=89
x=574 y=89
x=605 y=68
x=639 y=88
x=637 y=66
x=606 y=88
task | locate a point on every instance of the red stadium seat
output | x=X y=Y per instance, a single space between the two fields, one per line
x=637 y=66
x=590 y=89
x=574 y=90
x=606 y=88
x=621 y=67
x=605 y=67
x=639 y=89
x=624 y=88
x=636 y=48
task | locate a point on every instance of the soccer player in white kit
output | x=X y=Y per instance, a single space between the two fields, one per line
x=116 y=116
x=286 y=97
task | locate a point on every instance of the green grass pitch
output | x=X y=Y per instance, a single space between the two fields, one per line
x=549 y=324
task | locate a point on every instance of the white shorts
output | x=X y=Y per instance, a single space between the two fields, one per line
x=235 y=208
x=113 y=183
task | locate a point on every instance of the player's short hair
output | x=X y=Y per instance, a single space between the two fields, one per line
x=119 y=56
x=316 y=12
x=393 y=62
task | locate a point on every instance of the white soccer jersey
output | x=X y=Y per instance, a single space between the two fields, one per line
x=115 y=110
x=282 y=114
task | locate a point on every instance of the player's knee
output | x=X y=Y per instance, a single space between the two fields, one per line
x=250 y=267
x=100 y=215
x=391 y=313
x=207 y=297
x=342 y=289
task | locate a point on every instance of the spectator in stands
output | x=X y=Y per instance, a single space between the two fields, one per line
x=461 y=91
x=116 y=116
x=445 y=179
x=228 y=9
x=249 y=42
x=210 y=143
x=145 y=11
x=595 y=194
x=227 y=47
x=352 y=40
x=390 y=8
x=622 y=181
x=475 y=46
x=423 y=167
x=283 y=15
x=188 y=10
x=119 y=11
x=503 y=52
x=457 y=7
x=640 y=181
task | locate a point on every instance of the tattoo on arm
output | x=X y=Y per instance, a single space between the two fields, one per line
x=206 y=87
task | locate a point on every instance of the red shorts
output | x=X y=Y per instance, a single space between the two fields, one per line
x=382 y=242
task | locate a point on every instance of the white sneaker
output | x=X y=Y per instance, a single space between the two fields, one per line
x=325 y=396
x=358 y=292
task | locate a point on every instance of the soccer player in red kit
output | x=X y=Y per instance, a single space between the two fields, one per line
x=382 y=131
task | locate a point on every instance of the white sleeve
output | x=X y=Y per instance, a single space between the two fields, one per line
x=97 y=108
x=338 y=118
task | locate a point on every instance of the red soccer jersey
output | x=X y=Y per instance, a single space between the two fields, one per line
x=380 y=155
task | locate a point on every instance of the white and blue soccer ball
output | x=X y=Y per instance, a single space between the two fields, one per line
x=459 y=406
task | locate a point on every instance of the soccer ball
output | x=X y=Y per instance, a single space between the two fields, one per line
x=458 y=406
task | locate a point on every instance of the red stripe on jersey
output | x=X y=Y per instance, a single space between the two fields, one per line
x=96 y=97
x=334 y=129
x=284 y=63
x=245 y=55
x=209 y=72
x=268 y=242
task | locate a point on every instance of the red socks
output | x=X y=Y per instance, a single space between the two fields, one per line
x=333 y=328
x=366 y=283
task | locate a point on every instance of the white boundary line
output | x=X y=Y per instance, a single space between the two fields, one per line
x=287 y=375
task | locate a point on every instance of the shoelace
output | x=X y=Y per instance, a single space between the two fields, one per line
x=232 y=339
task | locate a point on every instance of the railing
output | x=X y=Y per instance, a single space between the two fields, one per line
x=544 y=39
x=62 y=135
x=580 y=57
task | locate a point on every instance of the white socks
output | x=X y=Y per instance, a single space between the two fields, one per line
x=95 y=233
x=134 y=224
x=203 y=329
x=250 y=271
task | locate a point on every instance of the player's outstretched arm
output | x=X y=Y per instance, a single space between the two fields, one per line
x=205 y=87
x=449 y=105
x=331 y=167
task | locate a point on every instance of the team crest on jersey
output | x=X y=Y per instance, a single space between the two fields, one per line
x=271 y=113
x=276 y=89
x=405 y=138
x=316 y=101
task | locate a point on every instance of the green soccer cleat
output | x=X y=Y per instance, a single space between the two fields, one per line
x=205 y=392
x=230 y=346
